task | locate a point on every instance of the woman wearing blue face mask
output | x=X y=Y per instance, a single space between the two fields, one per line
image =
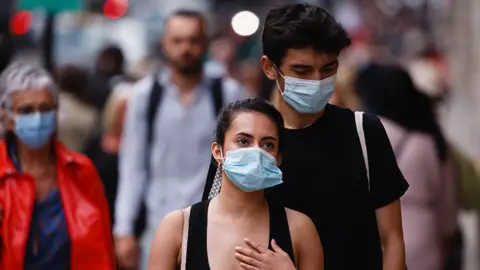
x=223 y=233
x=55 y=211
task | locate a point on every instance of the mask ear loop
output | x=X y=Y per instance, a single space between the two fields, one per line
x=276 y=79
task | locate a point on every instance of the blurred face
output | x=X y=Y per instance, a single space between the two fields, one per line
x=184 y=43
x=305 y=63
x=249 y=129
x=30 y=102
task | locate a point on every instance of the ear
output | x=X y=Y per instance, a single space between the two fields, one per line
x=217 y=152
x=279 y=159
x=7 y=120
x=268 y=68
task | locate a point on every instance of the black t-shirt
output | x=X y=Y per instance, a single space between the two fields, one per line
x=325 y=177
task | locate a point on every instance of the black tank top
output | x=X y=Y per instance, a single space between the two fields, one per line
x=197 y=257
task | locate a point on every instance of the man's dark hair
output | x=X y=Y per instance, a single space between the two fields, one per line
x=297 y=26
x=188 y=14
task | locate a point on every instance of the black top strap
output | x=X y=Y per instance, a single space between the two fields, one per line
x=197 y=256
x=280 y=231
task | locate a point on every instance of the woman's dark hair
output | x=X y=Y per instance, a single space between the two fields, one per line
x=248 y=105
x=389 y=91
x=298 y=26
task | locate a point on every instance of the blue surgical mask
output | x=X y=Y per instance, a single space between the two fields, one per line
x=252 y=169
x=35 y=129
x=308 y=96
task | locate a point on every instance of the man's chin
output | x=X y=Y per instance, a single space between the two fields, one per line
x=190 y=70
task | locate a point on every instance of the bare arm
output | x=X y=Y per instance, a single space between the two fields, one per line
x=389 y=220
x=310 y=251
x=167 y=243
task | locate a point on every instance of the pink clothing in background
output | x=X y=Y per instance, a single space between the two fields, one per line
x=429 y=205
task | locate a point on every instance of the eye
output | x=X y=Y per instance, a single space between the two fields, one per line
x=242 y=141
x=300 y=72
x=268 y=145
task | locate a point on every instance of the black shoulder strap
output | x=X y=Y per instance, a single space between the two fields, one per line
x=217 y=94
x=153 y=102
x=197 y=257
x=279 y=230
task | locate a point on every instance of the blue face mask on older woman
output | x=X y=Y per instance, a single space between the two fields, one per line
x=35 y=129
x=252 y=169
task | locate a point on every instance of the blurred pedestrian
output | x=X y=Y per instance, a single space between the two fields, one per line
x=248 y=144
x=104 y=148
x=109 y=70
x=56 y=214
x=338 y=166
x=168 y=132
x=429 y=211
x=77 y=118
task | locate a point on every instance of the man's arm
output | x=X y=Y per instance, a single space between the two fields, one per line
x=389 y=220
x=132 y=174
x=387 y=185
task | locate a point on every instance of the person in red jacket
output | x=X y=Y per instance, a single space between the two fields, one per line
x=55 y=214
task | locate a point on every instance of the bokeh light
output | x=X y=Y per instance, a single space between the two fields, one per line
x=115 y=9
x=245 y=23
x=21 y=22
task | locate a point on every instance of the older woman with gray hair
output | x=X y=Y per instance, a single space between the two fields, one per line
x=55 y=211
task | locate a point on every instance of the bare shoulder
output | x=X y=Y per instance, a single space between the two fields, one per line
x=168 y=241
x=298 y=221
x=173 y=222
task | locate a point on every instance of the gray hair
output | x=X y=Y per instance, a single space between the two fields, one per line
x=24 y=76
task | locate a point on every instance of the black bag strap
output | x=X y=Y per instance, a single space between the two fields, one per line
x=154 y=100
x=217 y=94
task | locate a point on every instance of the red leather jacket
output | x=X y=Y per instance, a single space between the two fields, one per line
x=84 y=205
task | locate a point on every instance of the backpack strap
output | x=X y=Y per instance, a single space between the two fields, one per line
x=217 y=94
x=363 y=143
x=186 y=222
x=153 y=102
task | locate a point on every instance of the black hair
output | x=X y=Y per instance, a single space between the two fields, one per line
x=73 y=80
x=297 y=26
x=388 y=91
x=248 y=105
x=114 y=53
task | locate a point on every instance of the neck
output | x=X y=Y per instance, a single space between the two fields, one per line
x=33 y=158
x=184 y=82
x=233 y=201
x=292 y=118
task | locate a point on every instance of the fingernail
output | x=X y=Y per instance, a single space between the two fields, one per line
x=238 y=248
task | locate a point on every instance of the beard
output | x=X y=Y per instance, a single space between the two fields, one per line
x=187 y=67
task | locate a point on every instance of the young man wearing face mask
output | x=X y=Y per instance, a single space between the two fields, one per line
x=356 y=208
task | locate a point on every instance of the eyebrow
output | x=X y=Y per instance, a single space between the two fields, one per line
x=245 y=134
x=301 y=66
x=333 y=63
x=250 y=136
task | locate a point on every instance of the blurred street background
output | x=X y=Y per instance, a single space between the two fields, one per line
x=438 y=42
